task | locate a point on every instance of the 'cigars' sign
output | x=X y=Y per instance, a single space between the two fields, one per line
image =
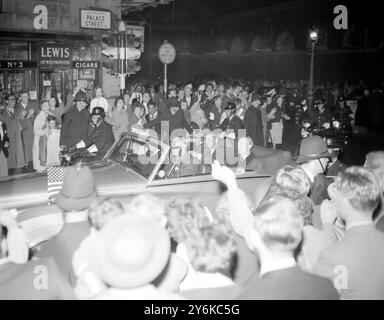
x=55 y=55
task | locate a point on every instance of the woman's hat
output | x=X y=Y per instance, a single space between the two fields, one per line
x=131 y=251
x=78 y=189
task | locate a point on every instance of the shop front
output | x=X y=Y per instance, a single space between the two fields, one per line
x=64 y=65
x=40 y=66
x=18 y=68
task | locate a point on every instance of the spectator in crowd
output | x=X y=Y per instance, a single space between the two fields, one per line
x=53 y=141
x=313 y=159
x=276 y=233
x=274 y=111
x=75 y=122
x=130 y=252
x=356 y=271
x=19 y=279
x=40 y=130
x=253 y=122
x=207 y=246
x=24 y=102
x=335 y=149
x=119 y=118
x=27 y=120
x=16 y=158
x=99 y=101
x=146 y=100
x=88 y=283
x=4 y=145
x=153 y=113
x=58 y=109
x=74 y=199
x=375 y=162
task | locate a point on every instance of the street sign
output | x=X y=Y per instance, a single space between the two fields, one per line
x=167 y=53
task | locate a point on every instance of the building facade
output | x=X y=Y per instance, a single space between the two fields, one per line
x=53 y=44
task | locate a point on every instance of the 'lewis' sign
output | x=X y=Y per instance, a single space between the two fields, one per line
x=55 y=56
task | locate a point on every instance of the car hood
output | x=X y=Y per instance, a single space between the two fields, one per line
x=30 y=190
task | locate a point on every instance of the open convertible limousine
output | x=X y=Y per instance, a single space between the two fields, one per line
x=133 y=165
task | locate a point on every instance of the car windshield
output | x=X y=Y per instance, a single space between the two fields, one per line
x=137 y=153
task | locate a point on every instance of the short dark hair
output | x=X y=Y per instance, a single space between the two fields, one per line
x=24 y=91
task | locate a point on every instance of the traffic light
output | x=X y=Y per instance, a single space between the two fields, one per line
x=132 y=53
x=109 y=53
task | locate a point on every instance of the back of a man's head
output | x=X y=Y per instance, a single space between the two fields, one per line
x=375 y=162
x=279 y=223
x=361 y=187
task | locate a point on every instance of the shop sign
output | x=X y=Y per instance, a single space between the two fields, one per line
x=85 y=64
x=17 y=64
x=55 y=55
x=95 y=19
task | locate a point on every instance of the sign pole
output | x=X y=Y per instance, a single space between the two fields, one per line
x=165 y=80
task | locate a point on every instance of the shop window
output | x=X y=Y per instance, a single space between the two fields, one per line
x=13 y=50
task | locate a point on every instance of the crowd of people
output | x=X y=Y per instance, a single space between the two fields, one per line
x=273 y=114
x=303 y=235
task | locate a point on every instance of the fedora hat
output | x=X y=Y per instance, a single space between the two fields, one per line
x=131 y=251
x=311 y=148
x=78 y=189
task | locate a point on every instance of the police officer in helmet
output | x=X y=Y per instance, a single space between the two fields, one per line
x=100 y=136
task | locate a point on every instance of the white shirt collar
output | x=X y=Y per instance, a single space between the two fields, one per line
x=277 y=264
x=309 y=174
x=359 y=224
x=76 y=216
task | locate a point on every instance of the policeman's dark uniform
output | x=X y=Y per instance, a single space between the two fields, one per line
x=322 y=118
x=344 y=116
x=234 y=122
x=100 y=134
x=292 y=131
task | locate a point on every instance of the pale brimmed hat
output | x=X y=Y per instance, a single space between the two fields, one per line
x=78 y=189
x=131 y=251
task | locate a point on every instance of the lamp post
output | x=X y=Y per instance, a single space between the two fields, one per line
x=121 y=53
x=313 y=37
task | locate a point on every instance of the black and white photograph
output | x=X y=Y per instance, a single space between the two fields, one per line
x=203 y=152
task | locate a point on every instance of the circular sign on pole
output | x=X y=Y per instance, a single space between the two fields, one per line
x=167 y=53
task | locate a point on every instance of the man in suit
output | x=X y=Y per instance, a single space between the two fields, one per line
x=355 y=263
x=74 y=199
x=275 y=235
x=175 y=118
x=25 y=103
x=153 y=113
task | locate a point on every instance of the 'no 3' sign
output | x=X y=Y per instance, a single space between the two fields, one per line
x=167 y=53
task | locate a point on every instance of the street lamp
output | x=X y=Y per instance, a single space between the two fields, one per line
x=313 y=37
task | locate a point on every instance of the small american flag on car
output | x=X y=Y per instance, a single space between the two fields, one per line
x=55 y=181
